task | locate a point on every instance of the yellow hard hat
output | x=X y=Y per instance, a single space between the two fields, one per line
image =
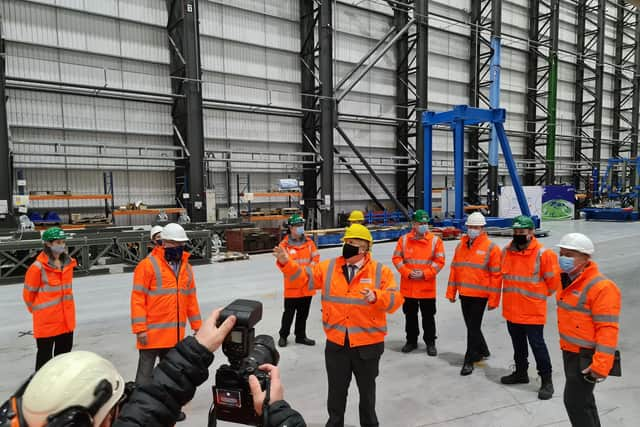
x=358 y=231
x=356 y=216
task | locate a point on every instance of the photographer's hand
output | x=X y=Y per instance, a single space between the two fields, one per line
x=276 y=392
x=211 y=336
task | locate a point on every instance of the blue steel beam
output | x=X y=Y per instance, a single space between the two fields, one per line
x=513 y=172
x=471 y=116
x=428 y=165
x=458 y=166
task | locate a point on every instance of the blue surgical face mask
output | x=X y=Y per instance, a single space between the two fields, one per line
x=473 y=233
x=299 y=230
x=567 y=264
x=422 y=229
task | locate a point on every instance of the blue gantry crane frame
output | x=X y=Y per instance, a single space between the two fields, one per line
x=457 y=119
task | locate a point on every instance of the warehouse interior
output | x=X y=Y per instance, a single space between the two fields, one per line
x=229 y=116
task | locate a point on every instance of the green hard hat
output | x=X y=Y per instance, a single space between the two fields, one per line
x=523 y=221
x=421 y=216
x=295 y=219
x=54 y=233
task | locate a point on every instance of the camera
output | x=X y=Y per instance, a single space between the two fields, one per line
x=232 y=400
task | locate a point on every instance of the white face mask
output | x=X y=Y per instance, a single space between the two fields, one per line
x=473 y=233
x=57 y=249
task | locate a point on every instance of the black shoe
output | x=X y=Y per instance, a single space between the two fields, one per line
x=485 y=354
x=409 y=347
x=181 y=416
x=305 y=341
x=546 y=388
x=516 y=377
x=467 y=369
x=431 y=349
x=282 y=342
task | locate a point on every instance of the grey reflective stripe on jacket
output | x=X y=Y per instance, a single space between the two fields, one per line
x=36 y=307
x=353 y=329
x=535 y=276
x=581 y=306
x=326 y=294
x=589 y=344
x=474 y=286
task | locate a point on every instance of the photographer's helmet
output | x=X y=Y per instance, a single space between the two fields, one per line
x=78 y=381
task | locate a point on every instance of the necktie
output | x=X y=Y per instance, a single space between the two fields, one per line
x=352 y=271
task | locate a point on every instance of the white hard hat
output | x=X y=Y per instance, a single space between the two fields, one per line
x=70 y=379
x=174 y=232
x=476 y=219
x=577 y=242
x=155 y=230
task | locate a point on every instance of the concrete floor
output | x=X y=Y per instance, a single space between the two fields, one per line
x=413 y=390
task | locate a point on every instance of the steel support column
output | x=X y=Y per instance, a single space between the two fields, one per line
x=480 y=59
x=422 y=90
x=542 y=80
x=624 y=80
x=327 y=113
x=184 y=46
x=635 y=121
x=5 y=161
x=310 y=115
x=400 y=19
x=589 y=90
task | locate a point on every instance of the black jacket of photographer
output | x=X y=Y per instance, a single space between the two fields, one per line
x=175 y=380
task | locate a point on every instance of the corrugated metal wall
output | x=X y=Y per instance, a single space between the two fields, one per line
x=249 y=53
x=115 y=44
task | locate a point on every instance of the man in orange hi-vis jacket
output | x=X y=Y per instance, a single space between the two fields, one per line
x=475 y=275
x=357 y=292
x=297 y=300
x=162 y=300
x=530 y=273
x=588 y=321
x=419 y=257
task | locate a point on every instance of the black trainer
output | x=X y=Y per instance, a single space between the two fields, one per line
x=516 y=377
x=409 y=347
x=181 y=416
x=282 y=342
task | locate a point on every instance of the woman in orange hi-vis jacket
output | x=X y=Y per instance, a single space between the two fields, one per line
x=49 y=297
x=588 y=319
x=419 y=257
x=163 y=299
x=357 y=292
x=475 y=275
x=297 y=300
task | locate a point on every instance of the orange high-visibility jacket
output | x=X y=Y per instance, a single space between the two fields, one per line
x=343 y=307
x=418 y=253
x=161 y=301
x=528 y=277
x=475 y=270
x=48 y=295
x=588 y=317
x=306 y=255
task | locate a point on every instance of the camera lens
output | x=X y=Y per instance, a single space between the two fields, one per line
x=264 y=350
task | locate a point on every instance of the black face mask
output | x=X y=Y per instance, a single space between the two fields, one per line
x=173 y=254
x=520 y=239
x=349 y=251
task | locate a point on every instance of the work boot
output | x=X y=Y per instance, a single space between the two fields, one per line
x=485 y=354
x=282 y=342
x=431 y=349
x=546 y=388
x=181 y=416
x=519 y=376
x=305 y=341
x=467 y=369
x=409 y=347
